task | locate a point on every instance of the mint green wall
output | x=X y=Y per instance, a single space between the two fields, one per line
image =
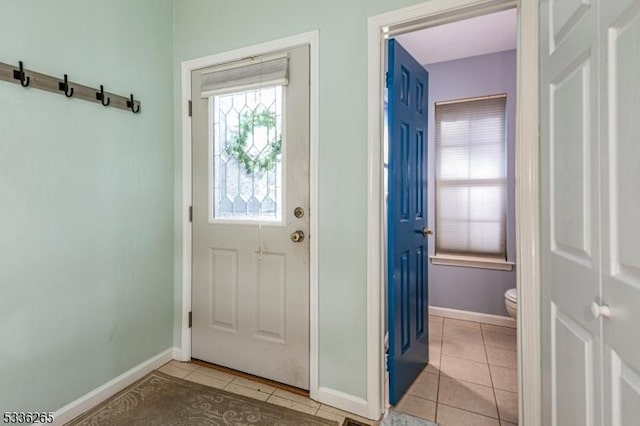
x=86 y=199
x=205 y=27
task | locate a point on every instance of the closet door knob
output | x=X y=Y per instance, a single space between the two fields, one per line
x=600 y=310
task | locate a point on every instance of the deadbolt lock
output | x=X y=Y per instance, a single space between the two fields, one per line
x=297 y=236
x=298 y=212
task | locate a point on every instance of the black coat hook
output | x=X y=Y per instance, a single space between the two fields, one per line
x=131 y=104
x=64 y=87
x=20 y=75
x=100 y=96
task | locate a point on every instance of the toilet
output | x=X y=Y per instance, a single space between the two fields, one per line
x=511 y=302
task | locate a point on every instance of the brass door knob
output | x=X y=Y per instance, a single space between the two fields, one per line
x=425 y=232
x=297 y=236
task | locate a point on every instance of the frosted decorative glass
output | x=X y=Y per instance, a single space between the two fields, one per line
x=247 y=185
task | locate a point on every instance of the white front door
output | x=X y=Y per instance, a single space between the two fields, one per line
x=590 y=157
x=250 y=289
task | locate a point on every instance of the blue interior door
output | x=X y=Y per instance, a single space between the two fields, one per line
x=407 y=83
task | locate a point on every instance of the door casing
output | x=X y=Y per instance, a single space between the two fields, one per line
x=311 y=39
x=420 y=16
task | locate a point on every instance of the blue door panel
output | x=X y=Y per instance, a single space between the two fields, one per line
x=407 y=206
x=404 y=84
x=420 y=174
x=405 y=326
x=420 y=297
x=404 y=171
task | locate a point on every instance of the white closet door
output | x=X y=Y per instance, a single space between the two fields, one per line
x=620 y=186
x=570 y=214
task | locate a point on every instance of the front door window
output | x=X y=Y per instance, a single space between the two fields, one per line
x=247 y=146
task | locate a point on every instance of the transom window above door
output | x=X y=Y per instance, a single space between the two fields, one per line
x=246 y=141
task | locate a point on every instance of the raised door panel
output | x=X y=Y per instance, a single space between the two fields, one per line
x=570 y=162
x=270 y=296
x=573 y=370
x=405 y=302
x=404 y=170
x=223 y=289
x=564 y=15
x=625 y=393
x=573 y=187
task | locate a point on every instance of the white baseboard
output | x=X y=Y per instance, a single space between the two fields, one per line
x=178 y=354
x=96 y=396
x=344 y=401
x=472 y=316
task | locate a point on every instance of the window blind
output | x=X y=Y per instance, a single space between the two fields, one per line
x=470 y=185
x=246 y=75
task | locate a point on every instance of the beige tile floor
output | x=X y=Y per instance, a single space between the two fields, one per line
x=471 y=377
x=470 y=380
x=231 y=383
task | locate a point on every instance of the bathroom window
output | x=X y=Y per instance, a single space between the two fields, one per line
x=470 y=184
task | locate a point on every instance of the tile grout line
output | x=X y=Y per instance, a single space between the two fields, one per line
x=435 y=414
x=469 y=360
x=246 y=387
x=472 y=412
x=173 y=364
x=493 y=388
x=470 y=383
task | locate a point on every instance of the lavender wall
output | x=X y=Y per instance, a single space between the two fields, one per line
x=472 y=289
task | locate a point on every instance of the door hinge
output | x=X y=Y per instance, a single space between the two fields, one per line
x=190 y=213
x=387 y=82
x=190 y=108
x=190 y=319
x=386 y=358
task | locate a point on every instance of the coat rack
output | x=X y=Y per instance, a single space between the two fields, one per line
x=32 y=79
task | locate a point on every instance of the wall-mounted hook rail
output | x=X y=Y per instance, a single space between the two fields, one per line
x=64 y=87
x=35 y=80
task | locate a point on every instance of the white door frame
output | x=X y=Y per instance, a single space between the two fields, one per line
x=527 y=195
x=311 y=39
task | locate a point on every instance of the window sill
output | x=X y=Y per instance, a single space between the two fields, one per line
x=472 y=262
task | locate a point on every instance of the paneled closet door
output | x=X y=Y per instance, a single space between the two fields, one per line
x=620 y=189
x=570 y=218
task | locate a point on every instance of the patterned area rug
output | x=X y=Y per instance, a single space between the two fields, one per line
x=162 y=400
x=395 y=418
